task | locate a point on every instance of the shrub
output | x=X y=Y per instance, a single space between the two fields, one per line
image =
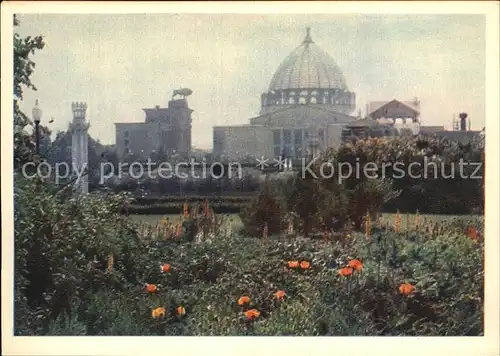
x=268 y=207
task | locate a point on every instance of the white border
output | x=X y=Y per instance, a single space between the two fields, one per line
x=476 y=346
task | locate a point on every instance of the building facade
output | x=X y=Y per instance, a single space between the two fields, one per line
x=304 y=110
x=165 y=131
x=404 y=116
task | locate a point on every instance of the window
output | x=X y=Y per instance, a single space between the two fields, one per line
x=287 y=152
x=126 y=143
x=218 y=141
x=125 y=134
x=297 y=137
x=277 y=151
x=287 y=137
x=277 y=137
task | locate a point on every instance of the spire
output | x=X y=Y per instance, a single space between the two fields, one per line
x=308 y=36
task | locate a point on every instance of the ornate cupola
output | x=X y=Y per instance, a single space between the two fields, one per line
x=308 y=76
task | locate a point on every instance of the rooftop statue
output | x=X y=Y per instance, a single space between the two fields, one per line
x=182 y=92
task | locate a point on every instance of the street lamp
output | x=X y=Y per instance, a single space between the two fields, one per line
x=37 y=115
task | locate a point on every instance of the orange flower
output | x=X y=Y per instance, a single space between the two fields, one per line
x=305 y=265
x=346 y=271
x=243 y=300
x=406 y=288
x=158 y=312
x=293 y=264
x=356 y=264
x=280 y=295
x=151 y=288
x=165 y=267
x=252 y=314
x=206 y=209
x=472 y=233
x=178 y=230
x=181 y=311
x=186 y=210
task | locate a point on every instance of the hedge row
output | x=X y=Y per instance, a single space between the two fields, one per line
x=220 y=200
x=176 y=208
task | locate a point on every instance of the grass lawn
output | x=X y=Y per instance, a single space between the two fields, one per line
x=235 y=220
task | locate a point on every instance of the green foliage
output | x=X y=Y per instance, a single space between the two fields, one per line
x=268 y=207
x=61 y=245
x=63 y=286
x=321 y=199
x=23 y=49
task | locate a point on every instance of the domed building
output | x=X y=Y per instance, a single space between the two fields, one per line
x=304 y=110
x=308 y=76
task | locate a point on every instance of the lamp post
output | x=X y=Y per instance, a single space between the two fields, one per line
x=37 y=115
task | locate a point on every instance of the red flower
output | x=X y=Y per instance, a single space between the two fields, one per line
x=473 y=233
x=243 y=300
x=356 y=264
x=252 y=314
x=165 y=267
x=406 y=288
x=346 y=271
x=280 y=295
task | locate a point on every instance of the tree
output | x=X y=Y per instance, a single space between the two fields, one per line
x=24 y=48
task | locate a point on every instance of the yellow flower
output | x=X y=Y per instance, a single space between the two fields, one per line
x=158 y=312
x=305 y=265
x=181 y=311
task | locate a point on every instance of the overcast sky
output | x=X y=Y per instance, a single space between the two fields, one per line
x=120 y=64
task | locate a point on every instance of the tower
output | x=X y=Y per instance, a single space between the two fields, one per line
x=79 y=146
x=463 y=120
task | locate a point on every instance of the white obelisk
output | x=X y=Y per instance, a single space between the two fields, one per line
x=79 y=146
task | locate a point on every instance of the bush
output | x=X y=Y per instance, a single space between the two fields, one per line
x=268 y=207
x=61 y=247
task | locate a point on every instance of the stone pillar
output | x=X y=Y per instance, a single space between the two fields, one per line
x=79 y=146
